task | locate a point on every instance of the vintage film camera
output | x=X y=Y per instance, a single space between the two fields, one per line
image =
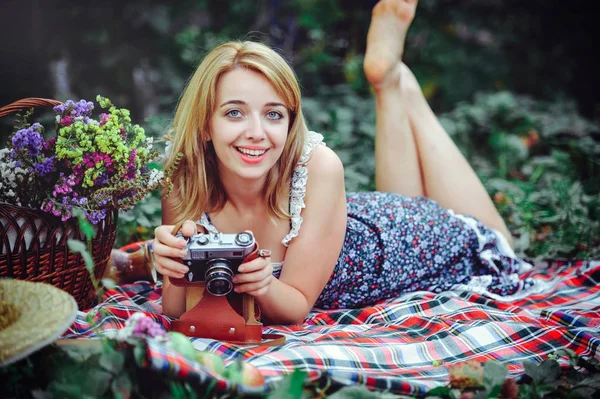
x=215 y=257
x=212 y=309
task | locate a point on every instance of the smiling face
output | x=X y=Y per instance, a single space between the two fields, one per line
x=250 y=125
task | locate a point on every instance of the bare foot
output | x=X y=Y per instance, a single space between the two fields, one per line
x=385 y=41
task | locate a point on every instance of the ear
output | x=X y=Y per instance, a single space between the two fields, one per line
x=205 y=140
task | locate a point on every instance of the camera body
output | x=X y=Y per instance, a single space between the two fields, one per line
x=214 y=258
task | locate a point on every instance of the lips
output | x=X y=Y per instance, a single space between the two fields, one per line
x=251 y=155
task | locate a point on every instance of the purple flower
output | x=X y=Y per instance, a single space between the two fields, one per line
x=45 y=167
x=146 y=327
x=95 y=216
x=75 y=109
x=29 y=139
x=101 y=180
x=66 y=121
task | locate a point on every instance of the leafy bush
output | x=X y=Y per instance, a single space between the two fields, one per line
x=538 y=161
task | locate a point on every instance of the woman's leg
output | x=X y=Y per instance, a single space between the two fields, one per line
x=396 y=158
x=447 y=176
x=413 y=153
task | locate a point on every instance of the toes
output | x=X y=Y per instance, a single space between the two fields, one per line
x=403 y=9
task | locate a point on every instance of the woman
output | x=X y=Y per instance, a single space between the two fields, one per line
x=250 y=163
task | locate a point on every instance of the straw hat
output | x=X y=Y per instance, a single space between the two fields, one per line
x=32 y=315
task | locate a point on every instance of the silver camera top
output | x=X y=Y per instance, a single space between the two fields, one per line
x=219 y=245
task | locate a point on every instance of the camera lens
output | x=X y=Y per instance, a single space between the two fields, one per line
x=219 y=277
x=243 y=239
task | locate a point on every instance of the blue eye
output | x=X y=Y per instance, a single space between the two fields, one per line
x=274 y=115
x=234 y=113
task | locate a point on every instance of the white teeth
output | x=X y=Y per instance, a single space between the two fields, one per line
x=255 y=153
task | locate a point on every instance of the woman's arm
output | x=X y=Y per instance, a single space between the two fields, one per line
x=312 y=255
x=167 y=246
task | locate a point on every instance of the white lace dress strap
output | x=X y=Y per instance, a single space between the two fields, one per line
x=205 y=222
x=298 y=185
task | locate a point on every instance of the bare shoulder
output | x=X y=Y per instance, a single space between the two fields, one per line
x=325 y=164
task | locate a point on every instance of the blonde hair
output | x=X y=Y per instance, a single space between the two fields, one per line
x=197 y=187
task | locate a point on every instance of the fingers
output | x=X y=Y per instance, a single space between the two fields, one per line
x=260 y=286
x=162 y=235
x=189 y=228
x=254 y=265
x=168 y=249
x=254 y=277
x=169 y=267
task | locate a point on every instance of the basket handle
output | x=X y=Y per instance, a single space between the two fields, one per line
x=27 y=103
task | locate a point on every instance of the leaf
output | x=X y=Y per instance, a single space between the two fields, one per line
x=360 y=392
x=547 y=372
x=79 y=247
x=109 y=283
x=494 y=392
x=39 y=394
x=209 y=389
x=87 y=228
x=139 y=353
x=291 y=387
x=532 y=370
x=588 y=387
x=98 y=382
x=112 y=361
x=494 y=375
x=80 y=353
x=122 y=386
x=441 y=391
x=64 y=390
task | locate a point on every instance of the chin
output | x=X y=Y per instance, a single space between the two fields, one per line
x=252 y=175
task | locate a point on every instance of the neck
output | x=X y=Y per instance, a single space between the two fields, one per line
x=244 y=195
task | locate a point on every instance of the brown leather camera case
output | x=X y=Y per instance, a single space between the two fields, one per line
x=231 y=318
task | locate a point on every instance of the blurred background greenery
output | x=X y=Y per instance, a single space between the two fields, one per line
x=513 y=82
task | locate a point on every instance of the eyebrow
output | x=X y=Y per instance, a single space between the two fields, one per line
x=240 y=102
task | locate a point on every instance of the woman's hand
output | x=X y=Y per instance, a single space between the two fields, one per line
x=168 y=249
x=254 y=277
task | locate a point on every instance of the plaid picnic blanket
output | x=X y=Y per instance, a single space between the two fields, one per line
x=402 y=345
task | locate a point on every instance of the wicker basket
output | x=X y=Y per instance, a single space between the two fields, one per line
x=33 y=243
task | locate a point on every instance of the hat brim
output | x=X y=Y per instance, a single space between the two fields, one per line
x=40 y=313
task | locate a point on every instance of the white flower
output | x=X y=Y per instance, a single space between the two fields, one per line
x=155 y=177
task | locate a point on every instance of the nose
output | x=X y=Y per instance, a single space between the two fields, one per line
x=255 y=130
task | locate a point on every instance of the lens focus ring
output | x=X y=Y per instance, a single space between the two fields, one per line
x=219 y=277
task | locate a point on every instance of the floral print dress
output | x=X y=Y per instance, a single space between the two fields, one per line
x=396 y=244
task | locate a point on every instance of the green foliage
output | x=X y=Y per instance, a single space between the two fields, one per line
x=347 y=120
x=291 y=387
x=538 y=161
x=544 y=380
x=138 y=224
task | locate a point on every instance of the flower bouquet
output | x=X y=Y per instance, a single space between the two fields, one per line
x=90 y=165
x=89 y=170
